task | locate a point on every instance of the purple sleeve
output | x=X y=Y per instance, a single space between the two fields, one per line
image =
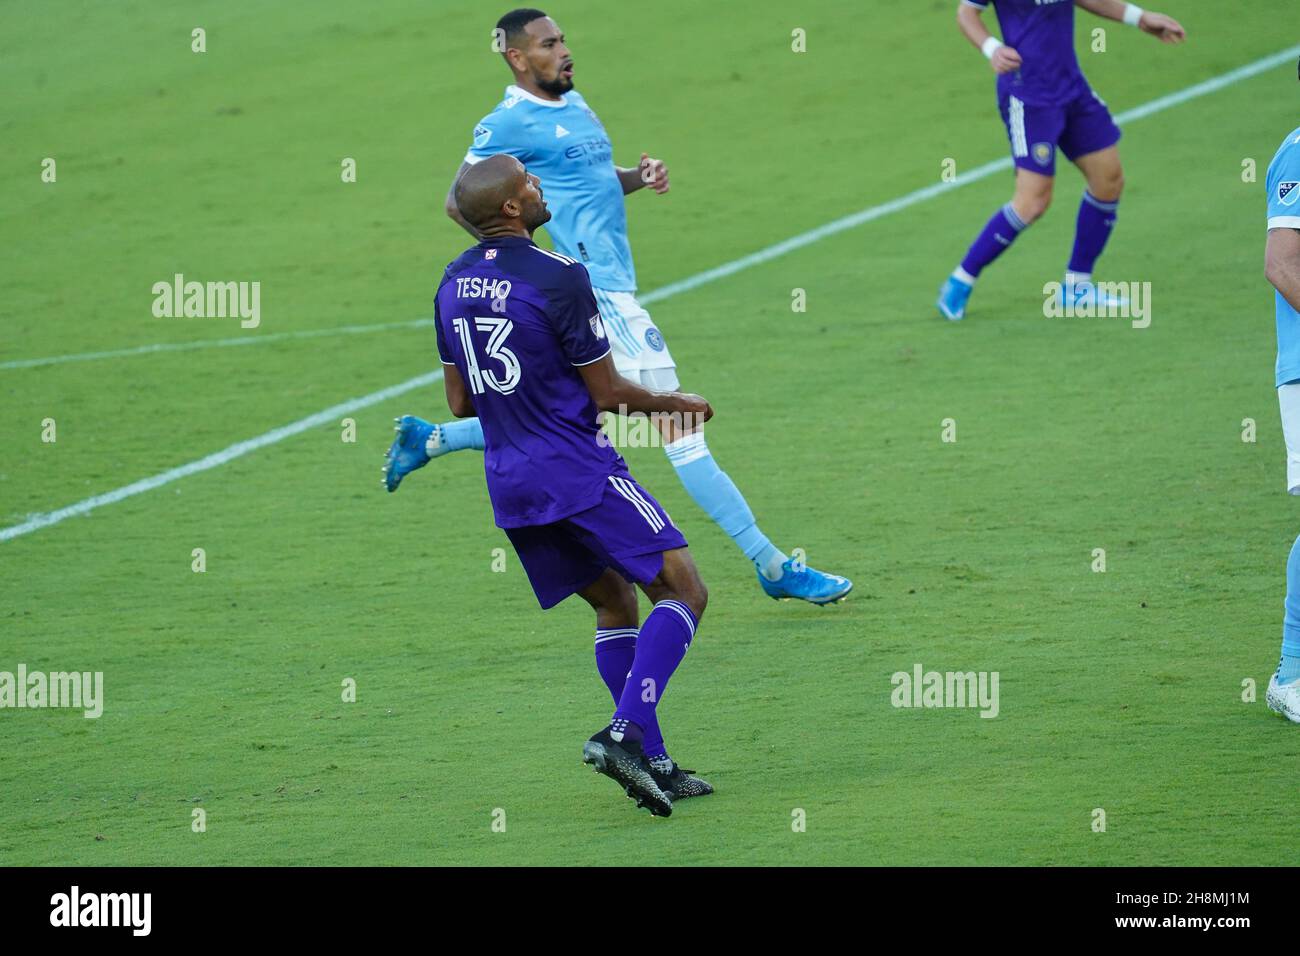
x=576 y=318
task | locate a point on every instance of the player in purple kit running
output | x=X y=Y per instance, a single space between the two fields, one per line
x=524 y=348
x=1046 y=104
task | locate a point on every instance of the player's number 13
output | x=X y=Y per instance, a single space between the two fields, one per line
x=497 y=329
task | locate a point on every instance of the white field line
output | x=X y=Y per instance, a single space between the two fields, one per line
x=964 y=179
x=214 y=343
x=237 y=450
x=692 y=282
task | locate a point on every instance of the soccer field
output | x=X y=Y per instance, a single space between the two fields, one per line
x=1121 y=690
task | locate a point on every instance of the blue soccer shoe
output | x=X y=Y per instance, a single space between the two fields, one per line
x=1085 y=296
x=952 y=298
x=407 y=452
x=806 y=584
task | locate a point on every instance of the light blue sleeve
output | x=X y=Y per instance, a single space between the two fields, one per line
x=501 y=131
x=1283 y=183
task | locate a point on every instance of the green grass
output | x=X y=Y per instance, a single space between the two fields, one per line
x=1119 y=690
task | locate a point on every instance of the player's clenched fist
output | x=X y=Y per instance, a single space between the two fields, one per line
x=696 y=406
x=1167 y=29
x=654 y=173
x=1005 y=59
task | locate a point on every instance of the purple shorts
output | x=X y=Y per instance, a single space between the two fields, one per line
x=627 y=531
x=1079 y=127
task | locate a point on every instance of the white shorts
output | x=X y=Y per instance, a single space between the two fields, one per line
x=1288 y=397
x=639 y=350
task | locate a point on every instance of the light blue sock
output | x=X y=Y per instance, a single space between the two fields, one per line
x=1289 y=669
x=711 y=489
x=455 y=436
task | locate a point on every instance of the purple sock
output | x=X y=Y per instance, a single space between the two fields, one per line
x=615 y=650
x=1094 y=226
x=660 y=647
x=998 y=234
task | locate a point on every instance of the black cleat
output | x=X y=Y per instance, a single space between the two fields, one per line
x=680 y=784
x=624 y=762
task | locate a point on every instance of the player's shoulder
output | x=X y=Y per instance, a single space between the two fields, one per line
x=467 y=259
x=1291 y=144
x=518 y=106
x=549 y=271
x=1287 y=157
x=510 y=110
x=551 y=264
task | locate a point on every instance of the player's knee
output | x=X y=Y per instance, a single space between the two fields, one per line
x=1031 y=203
x=1036 y=205
x=623 y=604
x=614 y=601
x=616 y=604
x=1116 y=185
x=1109 y=186
x=697 y=599
x=695 y=596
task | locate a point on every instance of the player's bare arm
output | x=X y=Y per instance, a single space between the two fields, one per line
x=649 y=172
x=458 y=400
x=453 y=211
x=612 y=392
x=1282 y=263
x=1164 y=28
x=1002 y=58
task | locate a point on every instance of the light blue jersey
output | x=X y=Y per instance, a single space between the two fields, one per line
x=564 y=145
x=1284 y=213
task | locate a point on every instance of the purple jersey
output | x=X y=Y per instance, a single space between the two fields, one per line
x=517 y=321
x=1042 y=32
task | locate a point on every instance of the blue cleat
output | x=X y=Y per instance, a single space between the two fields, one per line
x=407 y=453
x=1086 y=297
x=952 y=298
x=806 y=584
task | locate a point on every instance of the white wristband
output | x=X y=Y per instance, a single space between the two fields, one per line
x=990 y=47
x=1133 y=14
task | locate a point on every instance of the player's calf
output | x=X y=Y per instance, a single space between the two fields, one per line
x=679 y=580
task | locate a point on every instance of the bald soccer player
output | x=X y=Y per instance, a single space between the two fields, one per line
x=525 y=350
